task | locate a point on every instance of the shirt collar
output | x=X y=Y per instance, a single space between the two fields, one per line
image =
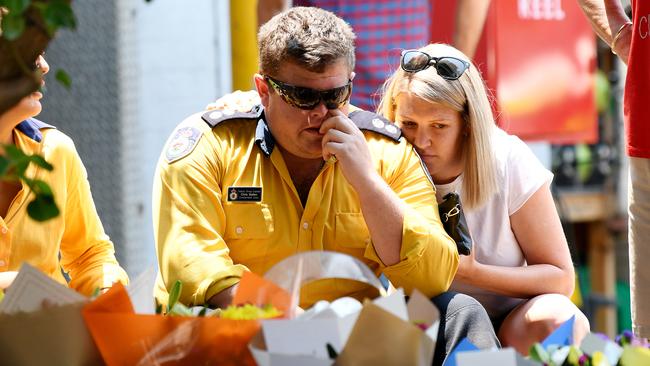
x=32 y=128
x=263 y=137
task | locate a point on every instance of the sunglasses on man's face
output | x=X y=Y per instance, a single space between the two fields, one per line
x=449 y=68
x=307 y=98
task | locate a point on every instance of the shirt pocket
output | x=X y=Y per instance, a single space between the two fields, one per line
x=248 y=221
x=351 y=231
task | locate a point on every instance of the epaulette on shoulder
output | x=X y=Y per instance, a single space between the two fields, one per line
x=214 y=117
x=376 y=123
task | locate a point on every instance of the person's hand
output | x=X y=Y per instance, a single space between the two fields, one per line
x=7 y=278
x=467 y=267
x=343 y=140
x=622 y=46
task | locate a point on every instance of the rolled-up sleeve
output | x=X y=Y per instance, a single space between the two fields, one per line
x=189 y=223
x=428 y=256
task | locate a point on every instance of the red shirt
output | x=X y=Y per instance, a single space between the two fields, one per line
x=637 y=84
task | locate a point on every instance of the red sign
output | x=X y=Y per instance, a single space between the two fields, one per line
x=538 y=57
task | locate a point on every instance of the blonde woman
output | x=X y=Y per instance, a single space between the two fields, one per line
x=520 y=268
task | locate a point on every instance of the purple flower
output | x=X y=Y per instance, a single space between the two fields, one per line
x=583 y=360
x=628 y=334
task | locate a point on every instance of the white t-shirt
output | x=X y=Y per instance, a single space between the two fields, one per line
x=519 y=175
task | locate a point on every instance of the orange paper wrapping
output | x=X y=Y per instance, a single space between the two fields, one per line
x=126 y=338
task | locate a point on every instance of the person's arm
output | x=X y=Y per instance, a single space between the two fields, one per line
x=470 y=20
x=189 y=224
x=399 y=209
x=537 y=228
x=382 y=209
x=87 y=253
x=606 y=18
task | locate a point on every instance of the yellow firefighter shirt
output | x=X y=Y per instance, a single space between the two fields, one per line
x=76 y=236
x=224 y=203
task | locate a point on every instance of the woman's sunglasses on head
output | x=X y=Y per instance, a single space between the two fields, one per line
x=449 y=68
x=307 y=98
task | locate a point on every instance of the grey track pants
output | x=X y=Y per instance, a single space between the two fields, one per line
x=461 y=316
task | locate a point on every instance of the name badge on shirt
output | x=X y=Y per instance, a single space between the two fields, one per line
x=245 y=194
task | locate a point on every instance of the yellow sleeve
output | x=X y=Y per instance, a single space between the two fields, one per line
x=87 y=253
x=429 y=258
x=189 y=223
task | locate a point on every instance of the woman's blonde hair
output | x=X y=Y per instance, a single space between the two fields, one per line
x=466 y=95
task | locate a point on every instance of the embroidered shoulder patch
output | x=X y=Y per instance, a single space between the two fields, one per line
x=182 y=143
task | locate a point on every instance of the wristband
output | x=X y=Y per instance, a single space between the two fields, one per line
x=618 y=35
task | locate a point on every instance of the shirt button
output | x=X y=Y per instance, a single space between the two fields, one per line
x=305 y=225
x=4 y=230
x=239 y=230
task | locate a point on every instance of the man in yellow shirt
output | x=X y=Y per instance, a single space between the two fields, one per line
x=239 y=192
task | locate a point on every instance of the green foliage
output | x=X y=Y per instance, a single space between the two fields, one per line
x=56 y=14
x=174 y=295
x=12 y=26
x=63 y=78
x=175 y=308
x=538 y=353
x=13 y=166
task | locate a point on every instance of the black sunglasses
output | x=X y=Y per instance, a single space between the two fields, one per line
x=449 y=68
x=307 y=98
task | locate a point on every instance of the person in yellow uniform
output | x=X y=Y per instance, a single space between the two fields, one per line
x=74 y=241
x=237 y=191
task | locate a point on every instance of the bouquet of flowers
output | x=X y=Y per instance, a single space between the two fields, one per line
x=367 y=327
x=558 y=349
x=596 y=350
x=183 y=336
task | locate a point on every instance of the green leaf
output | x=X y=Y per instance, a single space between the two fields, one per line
x=331 y=352
x=16 y=7
x=58 y=14
x=574 y=355
x=538 y=353
x=13 y=26
x=63 y=78
x=203 y=312
x=159 y=309
x=180 y=309
x=42 y=208
x=174 y=295
x=2 y=295
x=14 y=153
x=42 y=188
x=4 y=166
x=20 y=167
x=40 y=161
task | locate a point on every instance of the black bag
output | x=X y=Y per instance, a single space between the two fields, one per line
x=453 y=220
